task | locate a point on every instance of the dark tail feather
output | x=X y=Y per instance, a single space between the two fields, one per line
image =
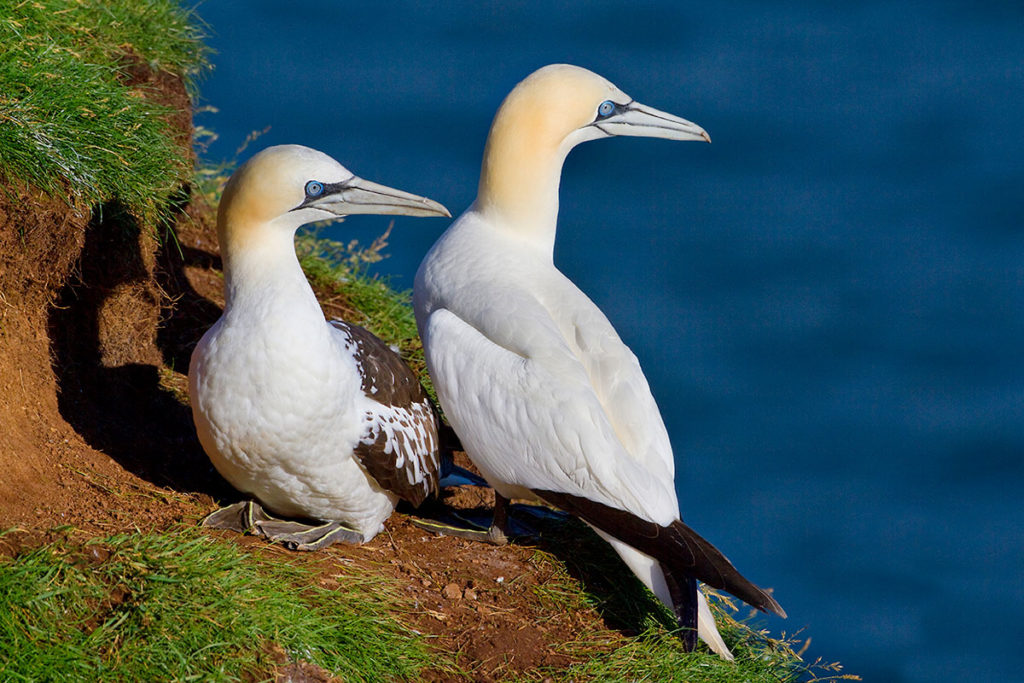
x=683 y=590
x=456 y=476
x=715 y=569
x=680 y=550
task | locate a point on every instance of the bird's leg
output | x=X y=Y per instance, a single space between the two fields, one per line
x=250 y=517
x=498 y=533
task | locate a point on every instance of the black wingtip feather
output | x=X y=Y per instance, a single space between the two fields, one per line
x=715 y=569
x=679 y=549
x=683 y=590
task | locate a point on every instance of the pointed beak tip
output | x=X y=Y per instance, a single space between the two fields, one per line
x=639 y=120
x=364 y=196
x=437 y=208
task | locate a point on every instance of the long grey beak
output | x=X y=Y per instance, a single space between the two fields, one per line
x=640 y=120
x=362 y=196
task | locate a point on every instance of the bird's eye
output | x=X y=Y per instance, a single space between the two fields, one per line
x=606 y=109
x=314 y=188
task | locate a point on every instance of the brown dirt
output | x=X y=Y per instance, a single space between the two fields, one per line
x=97 y=321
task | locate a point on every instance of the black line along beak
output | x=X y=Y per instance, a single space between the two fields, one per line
x=356 y=195
x=639 y=120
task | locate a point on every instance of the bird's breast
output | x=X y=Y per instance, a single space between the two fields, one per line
x=274 y=395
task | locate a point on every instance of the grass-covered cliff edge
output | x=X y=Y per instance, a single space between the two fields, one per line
x=109 y=274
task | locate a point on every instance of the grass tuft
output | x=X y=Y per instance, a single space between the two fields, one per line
x=69 y=122
x=183 y=606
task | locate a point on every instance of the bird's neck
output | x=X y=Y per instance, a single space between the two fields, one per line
x=519 y=185
x=261 y=271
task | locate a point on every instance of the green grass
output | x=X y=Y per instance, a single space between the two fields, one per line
x=185 y=606
x=69 y=124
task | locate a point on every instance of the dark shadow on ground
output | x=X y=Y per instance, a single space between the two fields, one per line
x=106 y=361
x=186 y=314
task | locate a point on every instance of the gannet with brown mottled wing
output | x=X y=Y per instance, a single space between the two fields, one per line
x=316 y=419
x=546 y=399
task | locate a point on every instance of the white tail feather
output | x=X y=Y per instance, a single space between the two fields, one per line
x=707 y=629
x=648 y=570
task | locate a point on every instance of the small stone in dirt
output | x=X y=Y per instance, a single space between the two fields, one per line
x=452 y=591
x=98 y=554
x=469 y=594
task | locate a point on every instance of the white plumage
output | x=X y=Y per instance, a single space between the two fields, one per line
x=580 y=413
x=545 y=397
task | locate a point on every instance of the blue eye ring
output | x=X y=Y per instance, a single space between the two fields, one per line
x=605 y=109
x=314 y=188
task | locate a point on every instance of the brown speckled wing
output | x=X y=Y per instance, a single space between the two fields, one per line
x=399 y=446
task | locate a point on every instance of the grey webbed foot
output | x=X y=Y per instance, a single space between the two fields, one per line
x=499 y=531
x=462 y=527
x=307 y=537
x=240 y=517
x=250 y=517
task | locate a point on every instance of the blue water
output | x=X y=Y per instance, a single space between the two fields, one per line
x=828 y=301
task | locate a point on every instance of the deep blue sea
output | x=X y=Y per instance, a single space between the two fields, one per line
x=828 y=301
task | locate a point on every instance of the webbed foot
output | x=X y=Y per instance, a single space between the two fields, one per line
x=500 y=530
x=307 y=537
x=250 y=517
x=461 y=527
x=240 y=517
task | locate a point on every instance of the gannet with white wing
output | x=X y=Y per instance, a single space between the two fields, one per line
x=547 y=400
x=315 y=419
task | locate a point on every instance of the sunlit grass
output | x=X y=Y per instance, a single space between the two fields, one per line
x=185 y=606
x=69 y=123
